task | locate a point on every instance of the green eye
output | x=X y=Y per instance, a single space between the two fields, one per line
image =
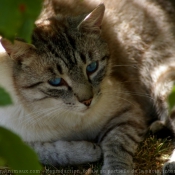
x=91 y=68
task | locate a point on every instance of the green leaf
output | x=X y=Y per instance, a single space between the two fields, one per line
x=17 y=16
x=26 y=30
x=2 y=162
x=171 y=99
x=4 y=98
x=17 y=154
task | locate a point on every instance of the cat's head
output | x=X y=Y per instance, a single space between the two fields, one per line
x=65 y=64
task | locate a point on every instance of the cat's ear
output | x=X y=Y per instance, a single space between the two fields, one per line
x=17 y=49
x=92 y=22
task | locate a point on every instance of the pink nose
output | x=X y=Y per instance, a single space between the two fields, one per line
x=87 y=102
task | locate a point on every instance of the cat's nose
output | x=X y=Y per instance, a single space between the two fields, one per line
x=87 y=102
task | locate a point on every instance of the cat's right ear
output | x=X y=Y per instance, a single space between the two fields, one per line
x=93 y=21
x=17 y=49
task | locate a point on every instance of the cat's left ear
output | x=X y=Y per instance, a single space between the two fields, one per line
x=16 y=49
x=93 y=21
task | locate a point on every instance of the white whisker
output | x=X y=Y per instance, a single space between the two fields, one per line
x=127 y=92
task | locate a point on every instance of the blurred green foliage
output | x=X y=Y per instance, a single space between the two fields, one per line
x=5 y=98
x=17 y=19
x=16 y=154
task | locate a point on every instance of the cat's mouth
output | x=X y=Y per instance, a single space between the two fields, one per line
x=88 y=104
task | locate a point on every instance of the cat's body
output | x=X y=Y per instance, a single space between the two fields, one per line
x=111 y=85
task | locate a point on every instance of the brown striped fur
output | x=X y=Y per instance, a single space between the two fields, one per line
x=106 y=112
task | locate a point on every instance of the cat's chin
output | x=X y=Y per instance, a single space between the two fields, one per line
x=84 y=111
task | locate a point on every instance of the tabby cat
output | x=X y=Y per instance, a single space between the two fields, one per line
x=92 y=81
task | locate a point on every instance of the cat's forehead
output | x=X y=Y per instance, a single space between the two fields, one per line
x=60 y=42
x=57 y=33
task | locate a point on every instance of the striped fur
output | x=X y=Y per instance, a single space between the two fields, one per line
x=105 y=112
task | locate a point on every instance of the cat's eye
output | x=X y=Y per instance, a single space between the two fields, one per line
x=55 y=82
x=92 y=67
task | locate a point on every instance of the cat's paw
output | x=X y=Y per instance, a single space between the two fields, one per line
x=67 y=153
x=169 y=168
x=156 y=126
x=159 y=129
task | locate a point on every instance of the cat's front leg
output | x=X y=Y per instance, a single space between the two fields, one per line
x=67 y=153
x=119 y=144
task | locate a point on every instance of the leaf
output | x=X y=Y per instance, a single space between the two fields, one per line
x=5 y=98
x=17 y=154
x=171 y=99
x=18 y=15
x=2 y=162
x=26 y=30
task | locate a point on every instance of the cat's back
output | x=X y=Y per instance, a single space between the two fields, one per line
x=141 y=37
x=131 y=22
